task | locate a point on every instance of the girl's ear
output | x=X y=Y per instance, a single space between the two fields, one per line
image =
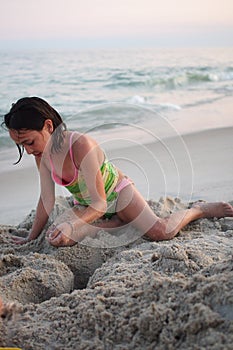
x=48 y=125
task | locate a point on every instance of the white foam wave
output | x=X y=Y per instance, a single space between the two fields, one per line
x=169 y=106
x=137 y=99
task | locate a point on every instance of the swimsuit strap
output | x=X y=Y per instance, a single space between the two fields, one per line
x=71 y=153
x=53 y=173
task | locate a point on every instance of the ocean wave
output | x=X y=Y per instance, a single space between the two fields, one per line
x=136 y=99
x=142 y=101
x=168 y=106
x=169 y=79
x=124 y=83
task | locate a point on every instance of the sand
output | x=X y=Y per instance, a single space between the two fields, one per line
x=122 y=291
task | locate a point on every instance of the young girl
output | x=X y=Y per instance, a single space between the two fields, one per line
x=76 y=161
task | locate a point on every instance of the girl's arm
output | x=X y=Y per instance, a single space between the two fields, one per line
x=45 y=204
x=46 y=201
x=88 y=157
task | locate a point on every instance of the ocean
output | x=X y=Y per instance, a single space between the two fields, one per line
x=104 y=89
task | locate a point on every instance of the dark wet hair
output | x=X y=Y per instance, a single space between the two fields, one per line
x=30 y=113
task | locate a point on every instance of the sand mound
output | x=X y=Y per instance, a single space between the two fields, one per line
x=146 y=295
x=33 y=279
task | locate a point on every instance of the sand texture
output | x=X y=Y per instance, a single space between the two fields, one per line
x=144 y=295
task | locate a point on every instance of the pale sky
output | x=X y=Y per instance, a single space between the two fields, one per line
x=115 y=23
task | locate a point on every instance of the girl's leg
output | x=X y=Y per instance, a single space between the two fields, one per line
x=133 y=208
x=86 y=230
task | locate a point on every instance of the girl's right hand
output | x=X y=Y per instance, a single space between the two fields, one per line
x=59 y=236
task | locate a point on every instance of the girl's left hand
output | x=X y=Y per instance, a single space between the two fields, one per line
x=59 y=236
x=20 y=240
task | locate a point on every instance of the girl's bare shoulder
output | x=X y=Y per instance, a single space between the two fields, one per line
x=83 y=145
x=83 y=141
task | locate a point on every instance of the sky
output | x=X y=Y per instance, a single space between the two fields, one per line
x=115 y=23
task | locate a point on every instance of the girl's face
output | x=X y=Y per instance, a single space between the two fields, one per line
x=33 y=141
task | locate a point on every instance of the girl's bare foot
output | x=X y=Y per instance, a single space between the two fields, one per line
x=210 y=210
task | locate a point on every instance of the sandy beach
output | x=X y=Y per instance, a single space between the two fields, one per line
x=110 y=293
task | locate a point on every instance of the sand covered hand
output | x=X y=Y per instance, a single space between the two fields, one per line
x=60 y=235
x=23 y=238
